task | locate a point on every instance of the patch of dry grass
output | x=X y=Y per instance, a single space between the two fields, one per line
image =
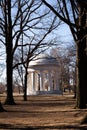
x=50 y=112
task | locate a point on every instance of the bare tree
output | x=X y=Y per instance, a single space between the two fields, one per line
x=74 y=13
x=18 y=21
x=36 y=46
x=66 y=64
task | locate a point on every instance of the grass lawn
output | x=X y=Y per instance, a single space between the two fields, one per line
x=48 y=112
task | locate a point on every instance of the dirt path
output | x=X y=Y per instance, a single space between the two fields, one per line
x=51 y=112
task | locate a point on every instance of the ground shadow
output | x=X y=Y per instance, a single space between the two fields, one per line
x=63 y=127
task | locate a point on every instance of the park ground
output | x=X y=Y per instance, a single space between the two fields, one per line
x=45 y=112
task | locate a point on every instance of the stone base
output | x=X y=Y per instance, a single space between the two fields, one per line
x=44 y=92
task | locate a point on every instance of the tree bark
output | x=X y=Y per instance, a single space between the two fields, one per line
x=81 y=75
x=25 y=85
x=82 y=62
x=9 y=55
x=9 y=99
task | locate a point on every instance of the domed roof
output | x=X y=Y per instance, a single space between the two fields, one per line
x=43 y=59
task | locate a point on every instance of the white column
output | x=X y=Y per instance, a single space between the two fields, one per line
x=57 y=82
x=41 y=81
x=28 y=87
x=50 y=80
x=33 y=81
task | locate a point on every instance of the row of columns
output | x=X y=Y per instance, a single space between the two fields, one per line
x=52 y=83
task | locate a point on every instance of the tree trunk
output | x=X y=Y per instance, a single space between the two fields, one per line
x=81 y=75
x=9 y=100
x=25 y=86
x=9 y=55
x=82 y=63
